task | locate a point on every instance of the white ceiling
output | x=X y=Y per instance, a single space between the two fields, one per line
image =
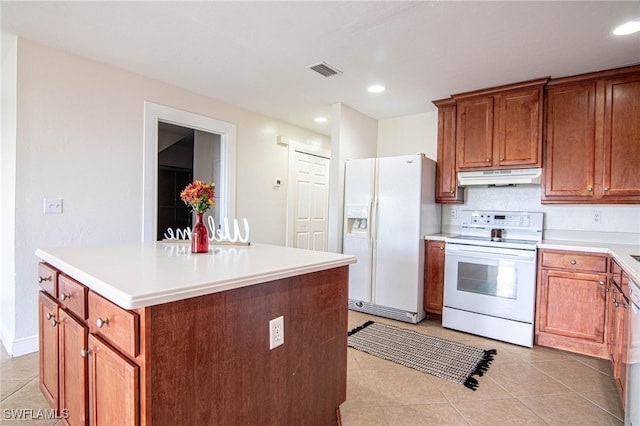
x=254 y=54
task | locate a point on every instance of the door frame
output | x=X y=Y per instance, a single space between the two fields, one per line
x=291 y=201
x=154 y=113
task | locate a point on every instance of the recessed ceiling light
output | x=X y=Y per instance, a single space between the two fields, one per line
x=627 y=28
x=376 y=88
x=320 y=119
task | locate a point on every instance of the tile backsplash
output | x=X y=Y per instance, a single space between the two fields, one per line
x=619 y=223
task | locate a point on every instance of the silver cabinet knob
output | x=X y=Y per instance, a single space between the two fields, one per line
x=100 y=322
x=606 y=188
x=501 y=158
x=64 y=297
x=441 y=247
x=589 y=188
x=54 y=322
x=487 y=160
x=85 y=352
x=41 y=279
x=49 y=315
x=602 y=283
x=573 y=262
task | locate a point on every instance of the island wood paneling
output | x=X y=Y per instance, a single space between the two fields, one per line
x=209 y=360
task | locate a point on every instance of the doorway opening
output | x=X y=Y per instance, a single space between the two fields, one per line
x=184 y=155
x=180 y=147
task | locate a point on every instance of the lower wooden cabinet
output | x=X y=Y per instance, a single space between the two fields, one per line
x=618 y=329
x=571 y=302
x=48 y=345
x=113 y=382
x=199 y=361
x=434 y=276
x=73 y=369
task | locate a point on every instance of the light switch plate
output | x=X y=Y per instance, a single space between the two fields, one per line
x=52 y=205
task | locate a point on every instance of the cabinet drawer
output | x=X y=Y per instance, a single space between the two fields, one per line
x=573 y=261
x=116 y=325
x=73 y=296
x=48 y=279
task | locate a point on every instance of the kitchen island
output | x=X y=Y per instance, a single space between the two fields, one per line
x=149 y=333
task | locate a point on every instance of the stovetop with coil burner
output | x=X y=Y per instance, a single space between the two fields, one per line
x=519 y=230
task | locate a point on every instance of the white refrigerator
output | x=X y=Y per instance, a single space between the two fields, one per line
x=389 y=208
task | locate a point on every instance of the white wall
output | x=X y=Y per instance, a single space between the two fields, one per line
x=7 y=187
x=410 y=134
x=79 y=137
x=353 y=135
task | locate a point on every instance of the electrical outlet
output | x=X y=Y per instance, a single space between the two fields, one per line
x=276 y=332
x=454 y=213
x=596 y=217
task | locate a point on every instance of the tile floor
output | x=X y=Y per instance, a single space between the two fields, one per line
x=523 y=386
x=538 y=386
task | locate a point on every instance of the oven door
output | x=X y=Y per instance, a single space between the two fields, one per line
x=492 y=281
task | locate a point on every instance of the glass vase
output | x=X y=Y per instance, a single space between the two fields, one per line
x=199 y=236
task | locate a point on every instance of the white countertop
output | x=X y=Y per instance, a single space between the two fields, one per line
x=146 y=274
x=620 y=252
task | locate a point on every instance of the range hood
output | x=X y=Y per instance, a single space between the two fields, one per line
x=500 y=177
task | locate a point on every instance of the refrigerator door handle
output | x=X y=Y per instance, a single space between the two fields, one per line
x=374 y=224
x=370 y=221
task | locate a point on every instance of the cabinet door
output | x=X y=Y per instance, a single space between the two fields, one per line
x=569 y=172
x=447 y=190
x=73 y=370
x=113 y=386
x=48 y=345
x=572 y=305
x=474 y=137
x=518 y=138
x=621 y=177
x=434 y=277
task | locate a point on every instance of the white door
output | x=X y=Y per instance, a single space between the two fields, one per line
x=311 y=201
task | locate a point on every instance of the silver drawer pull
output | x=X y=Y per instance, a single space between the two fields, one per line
x=41 y=279
x=100 y=322
x=573 y=262
x=84 y=352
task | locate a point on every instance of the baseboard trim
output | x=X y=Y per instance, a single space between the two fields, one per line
x=22 y=346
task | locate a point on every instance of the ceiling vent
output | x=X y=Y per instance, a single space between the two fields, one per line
x=325 y=69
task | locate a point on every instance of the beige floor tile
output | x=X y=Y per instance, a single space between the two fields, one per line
x=359 y=416
x=502 y=411
x=608 y=401
x=568 y=409
x=574 y=375
x=29 y=404
x=602 y=365
x=427 y=414
x=399 y=385
x=22 y=367
x=521 y=379
x=8 y=387
x=487 y=389
x=360 y=390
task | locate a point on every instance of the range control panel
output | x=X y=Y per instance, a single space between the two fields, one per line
x=513 y=220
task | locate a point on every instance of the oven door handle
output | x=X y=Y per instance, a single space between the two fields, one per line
x=523 y=256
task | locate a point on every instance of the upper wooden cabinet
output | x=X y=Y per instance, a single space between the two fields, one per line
x=447 y=191
x=500 y=127
x=592 y=142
